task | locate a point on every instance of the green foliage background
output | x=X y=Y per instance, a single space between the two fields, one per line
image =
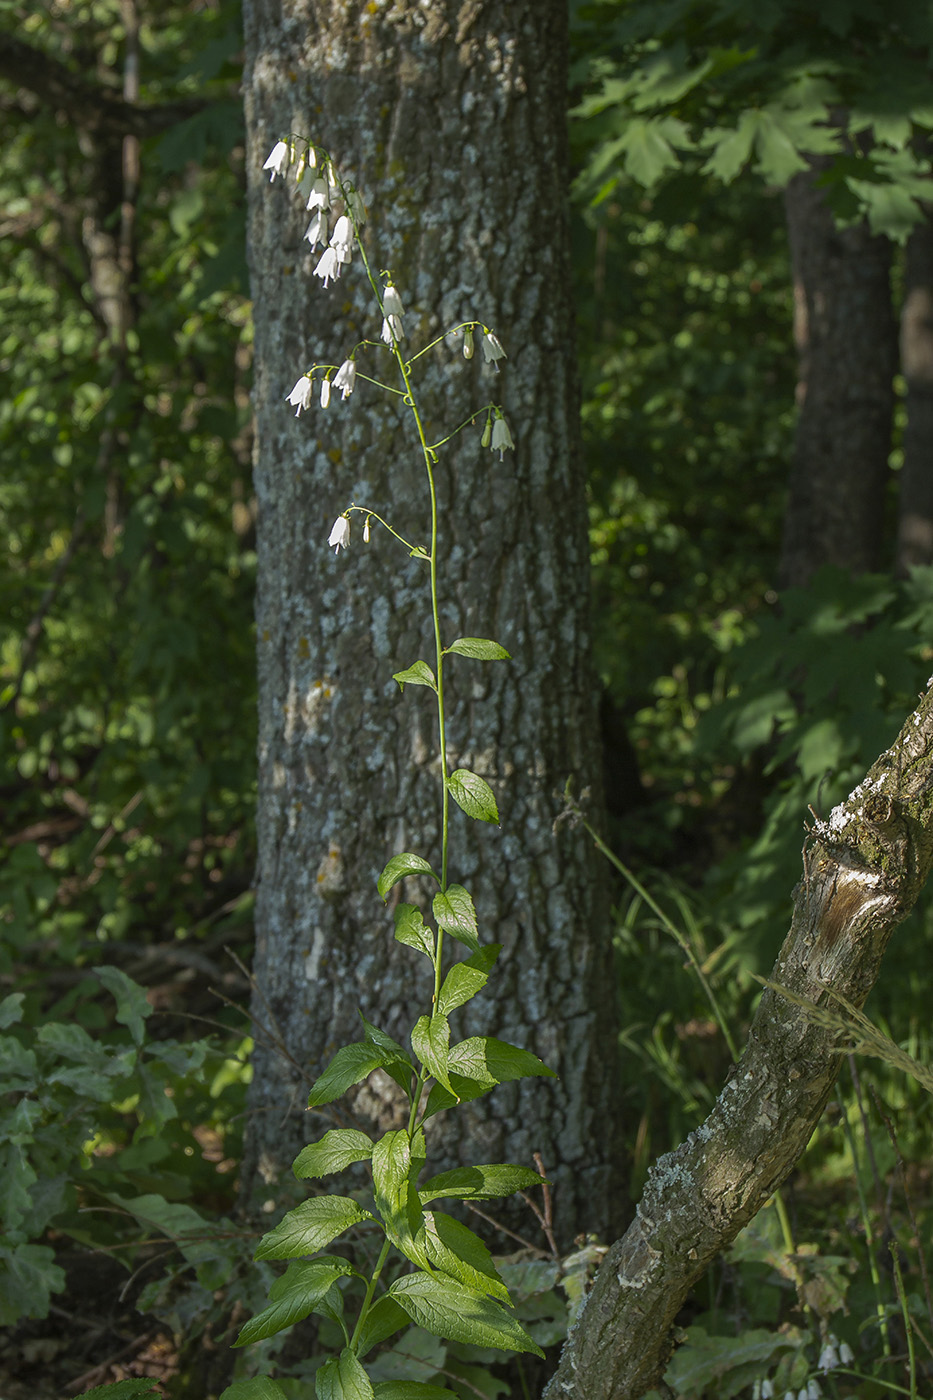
x=127 y=721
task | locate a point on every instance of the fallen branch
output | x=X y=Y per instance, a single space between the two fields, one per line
x=862 y=874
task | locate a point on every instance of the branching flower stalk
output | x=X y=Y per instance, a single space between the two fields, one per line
x=453 y=1289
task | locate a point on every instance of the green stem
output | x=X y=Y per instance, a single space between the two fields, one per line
x=435 y=614
x=370 y=1290
x=465 y=424
x=866 y=1226
x=364 y=510
x=908 y=1329
x=675 y=933
x=450 y=330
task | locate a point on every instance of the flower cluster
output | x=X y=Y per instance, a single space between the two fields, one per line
x=328 y=197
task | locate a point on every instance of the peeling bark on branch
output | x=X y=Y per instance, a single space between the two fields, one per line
x=862 y=874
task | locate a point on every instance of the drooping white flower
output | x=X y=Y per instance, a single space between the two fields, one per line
x=325 y=392
x=813 y=1390
x=501 y=437
x=342 y=238
x=300 y=396
x=318 y=195
x=767 y=1389
x=829 y=1357
x=316 y=232
x=345 y=378
x=278 y=159
x=846 y=1354
x=329 y=268
x=392 y=312
x=492 y=348
x=339 y=537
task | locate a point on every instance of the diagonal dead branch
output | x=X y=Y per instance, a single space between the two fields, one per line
x=865 y=869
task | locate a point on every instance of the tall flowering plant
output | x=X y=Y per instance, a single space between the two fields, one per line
x=444 y=1278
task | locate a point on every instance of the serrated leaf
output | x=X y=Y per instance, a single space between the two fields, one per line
x=473 y=795
x=411 y=1390
x=778 y=157
x=467 y=978
x=400 y=866
x=446 y=1308
x=132 y=1001
x=479 y=649
x=455 y=1249
x=478 y=1064
x=294 y=1296
x=411 y=930
x=257 y=1388
x=483 y=1183
x=342 y=1378
x=419 y=673
x=350 y=1065
x=310 y=1226
x=334 y=1152
x=732 y=149
x=130 y=1389
x=397 y=1163
x=11 y=1009
x=383 y=1318
x=397 y=1063
x=454 y=912
x=430 y=1040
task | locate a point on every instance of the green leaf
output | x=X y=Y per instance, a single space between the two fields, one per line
x=480 y=1063
x=446 y=1308
x=411 y=930
x=310 y=1226
x=453 y=1247
x=11 y=1009
x=350 y=1065
x=258 y=1388
x=454 y=912
x=342 y=1378
x=467 y=978
x=400 y=866
x=133 y=1389
x=732 y=149
x=485 y=1183
x=479 y=648
x=383 y=1318
x=334 y=1152
x=418 y=674
x=397 y=1163
x=396 y=1063
x=473 y=795
x=411 y=1390
x=132 y=1001
x=430 y=1040
x=28 y=1275
x=294 y=1296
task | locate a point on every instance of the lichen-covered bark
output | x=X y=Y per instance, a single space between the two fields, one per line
x=863 y=872
x=847 y=341
x=450 y=118
x=915 y=497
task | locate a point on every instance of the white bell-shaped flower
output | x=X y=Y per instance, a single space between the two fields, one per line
x=329 y=268
x=501 y=437
x=278 y=159
x=342 y=238
x=339 y=537
x=345 y=378
x=846 y=1354
x=300 y=396
x=492 y=348
x=318 y=195
x=392 y=311
x=316 y=232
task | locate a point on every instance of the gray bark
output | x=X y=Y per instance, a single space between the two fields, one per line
x=847 y=341
x=450 y=119
x=865 y=867
x=915 y=500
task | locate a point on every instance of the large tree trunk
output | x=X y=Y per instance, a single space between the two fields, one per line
x=864 y=870
x=915 y=502
x=847 y=341
x=450 y=118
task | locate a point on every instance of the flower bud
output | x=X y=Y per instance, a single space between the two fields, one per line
x=468 y=343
